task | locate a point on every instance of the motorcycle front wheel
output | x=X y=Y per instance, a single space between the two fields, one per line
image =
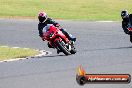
x=62 y=48
x=131 y=38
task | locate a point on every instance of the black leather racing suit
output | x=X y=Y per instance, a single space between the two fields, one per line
x=125 y=23
x=50 y=21
x=42 y=25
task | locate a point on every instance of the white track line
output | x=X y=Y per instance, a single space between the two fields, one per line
x=105 y=21
x=42 y=53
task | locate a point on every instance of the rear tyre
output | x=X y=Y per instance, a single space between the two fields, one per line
x=62 y=48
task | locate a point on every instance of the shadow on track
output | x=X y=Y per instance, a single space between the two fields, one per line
x=51 y=56
x=107 y=49
x=54 y=55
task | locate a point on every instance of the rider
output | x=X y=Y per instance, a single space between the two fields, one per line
x=44 y=20
x=127 y=19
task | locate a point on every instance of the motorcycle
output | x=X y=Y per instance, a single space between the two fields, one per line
x=58 y=40
x=130 y=30
x=130 y=27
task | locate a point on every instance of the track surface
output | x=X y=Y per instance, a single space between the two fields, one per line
x=102 y=48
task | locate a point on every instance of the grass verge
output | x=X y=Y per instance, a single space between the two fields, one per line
x=11 y=53
x=66 y=9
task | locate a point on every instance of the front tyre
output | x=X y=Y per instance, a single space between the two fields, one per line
x=62 y=48
x=131 y=38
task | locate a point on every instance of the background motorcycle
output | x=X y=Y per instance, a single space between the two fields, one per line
x=130 y=32
x=130 y=27
x=58 y=40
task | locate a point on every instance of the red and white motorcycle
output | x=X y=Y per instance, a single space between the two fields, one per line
x=58 y=40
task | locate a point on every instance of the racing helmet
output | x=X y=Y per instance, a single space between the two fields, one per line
x=42 y=16
x=124 y=14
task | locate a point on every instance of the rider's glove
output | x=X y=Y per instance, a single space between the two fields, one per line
x=57 y=25
x=43 y=38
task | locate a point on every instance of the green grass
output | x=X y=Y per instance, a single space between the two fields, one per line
x=66 y=9
x=11 y=53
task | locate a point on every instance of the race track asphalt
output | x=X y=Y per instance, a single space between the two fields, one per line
x=102 y=47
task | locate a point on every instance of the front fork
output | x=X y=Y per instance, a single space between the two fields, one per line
x=131 y=38
x=67 y=46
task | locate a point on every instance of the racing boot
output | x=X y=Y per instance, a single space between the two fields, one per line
x=69 y=36
x=72 y=38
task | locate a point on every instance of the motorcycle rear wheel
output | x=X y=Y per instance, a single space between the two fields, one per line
x=73 y=51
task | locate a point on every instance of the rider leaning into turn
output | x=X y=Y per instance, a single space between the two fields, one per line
x=44 y=20
x=127 y=19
